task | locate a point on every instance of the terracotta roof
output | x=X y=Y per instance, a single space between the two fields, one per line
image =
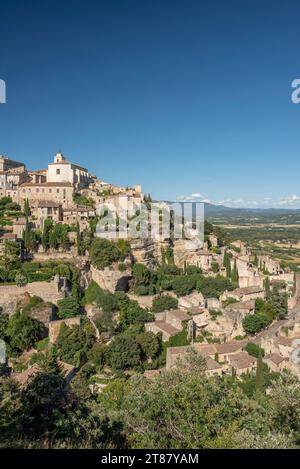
x=275 y=358
x=178 y=350
x=165 y=327
x=79 y=208
x=284 y=341
x=19 y=221
x=281 y=340
x=230 y=347
x=206 y=349
x=24 y=377
x=179 y=314
x=48 y=203
x=247 y=290
x=242 y=360
x=9 y=236
x=212 y=364
x=249 y=305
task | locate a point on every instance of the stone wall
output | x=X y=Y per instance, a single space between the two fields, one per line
x=11 y=294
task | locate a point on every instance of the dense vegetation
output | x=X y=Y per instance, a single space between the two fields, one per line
x=182 y=408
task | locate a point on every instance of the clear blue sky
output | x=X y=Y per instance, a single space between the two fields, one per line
x=185 y=97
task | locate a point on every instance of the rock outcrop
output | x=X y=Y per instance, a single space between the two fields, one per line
x=111 y=278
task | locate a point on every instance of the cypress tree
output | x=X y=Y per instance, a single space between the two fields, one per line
x=235 y=273
x=267 y=287
x=259 y=378
x=226 y=263
x=78 y=239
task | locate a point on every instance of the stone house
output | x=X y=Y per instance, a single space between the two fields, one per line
x=48 y=209
x=244 y=307
x=9 y=237
x=191 y=300
x=271 y=265
x=242 y=363
x=220 y=358
x=244 y=294
x=168 y=323
x=60 y=192
x=275 y=362
x=78 y=214
x=18 y=227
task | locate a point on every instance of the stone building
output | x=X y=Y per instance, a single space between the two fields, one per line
x=78 y=214
x=60 y=192
x=18 y=227
x=63 y=171
x=48 y=209
x=244 y=294
x=220 y=358
x=168 y=323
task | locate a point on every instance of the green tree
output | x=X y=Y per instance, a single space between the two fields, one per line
x=140 y=275
x=149 y=344
x=74 y=343
x=48 y=225
x=267 y=286
x=78 y=240
x=49 y=363
x=68 y=307
x=234 y=273
x=254 y=350
x=184 y=285
x=163 y=303
x=103 y=252
x=124 y=352
x=259 y=378
x=254 y=323
x=23 y=332
x=133 y=314
x=278 y=300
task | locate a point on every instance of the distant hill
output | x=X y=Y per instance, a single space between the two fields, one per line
x=221 y=210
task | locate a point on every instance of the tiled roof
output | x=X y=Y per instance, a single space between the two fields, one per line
x=275 y=358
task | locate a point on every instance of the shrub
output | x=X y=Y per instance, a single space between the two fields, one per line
x=163 y=303
x=254 y=323
x=124 y=352
x=68 y=307
x=20 y=279
x=103 y=252
x=183 y=285
x=254 y=350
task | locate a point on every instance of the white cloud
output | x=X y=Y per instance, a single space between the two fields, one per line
x=292 y=201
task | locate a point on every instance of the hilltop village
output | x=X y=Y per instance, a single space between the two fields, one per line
x=98 y=312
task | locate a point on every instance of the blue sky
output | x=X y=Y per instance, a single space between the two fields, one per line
x=191 y=99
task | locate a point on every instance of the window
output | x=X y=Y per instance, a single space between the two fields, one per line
x=58 y=171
